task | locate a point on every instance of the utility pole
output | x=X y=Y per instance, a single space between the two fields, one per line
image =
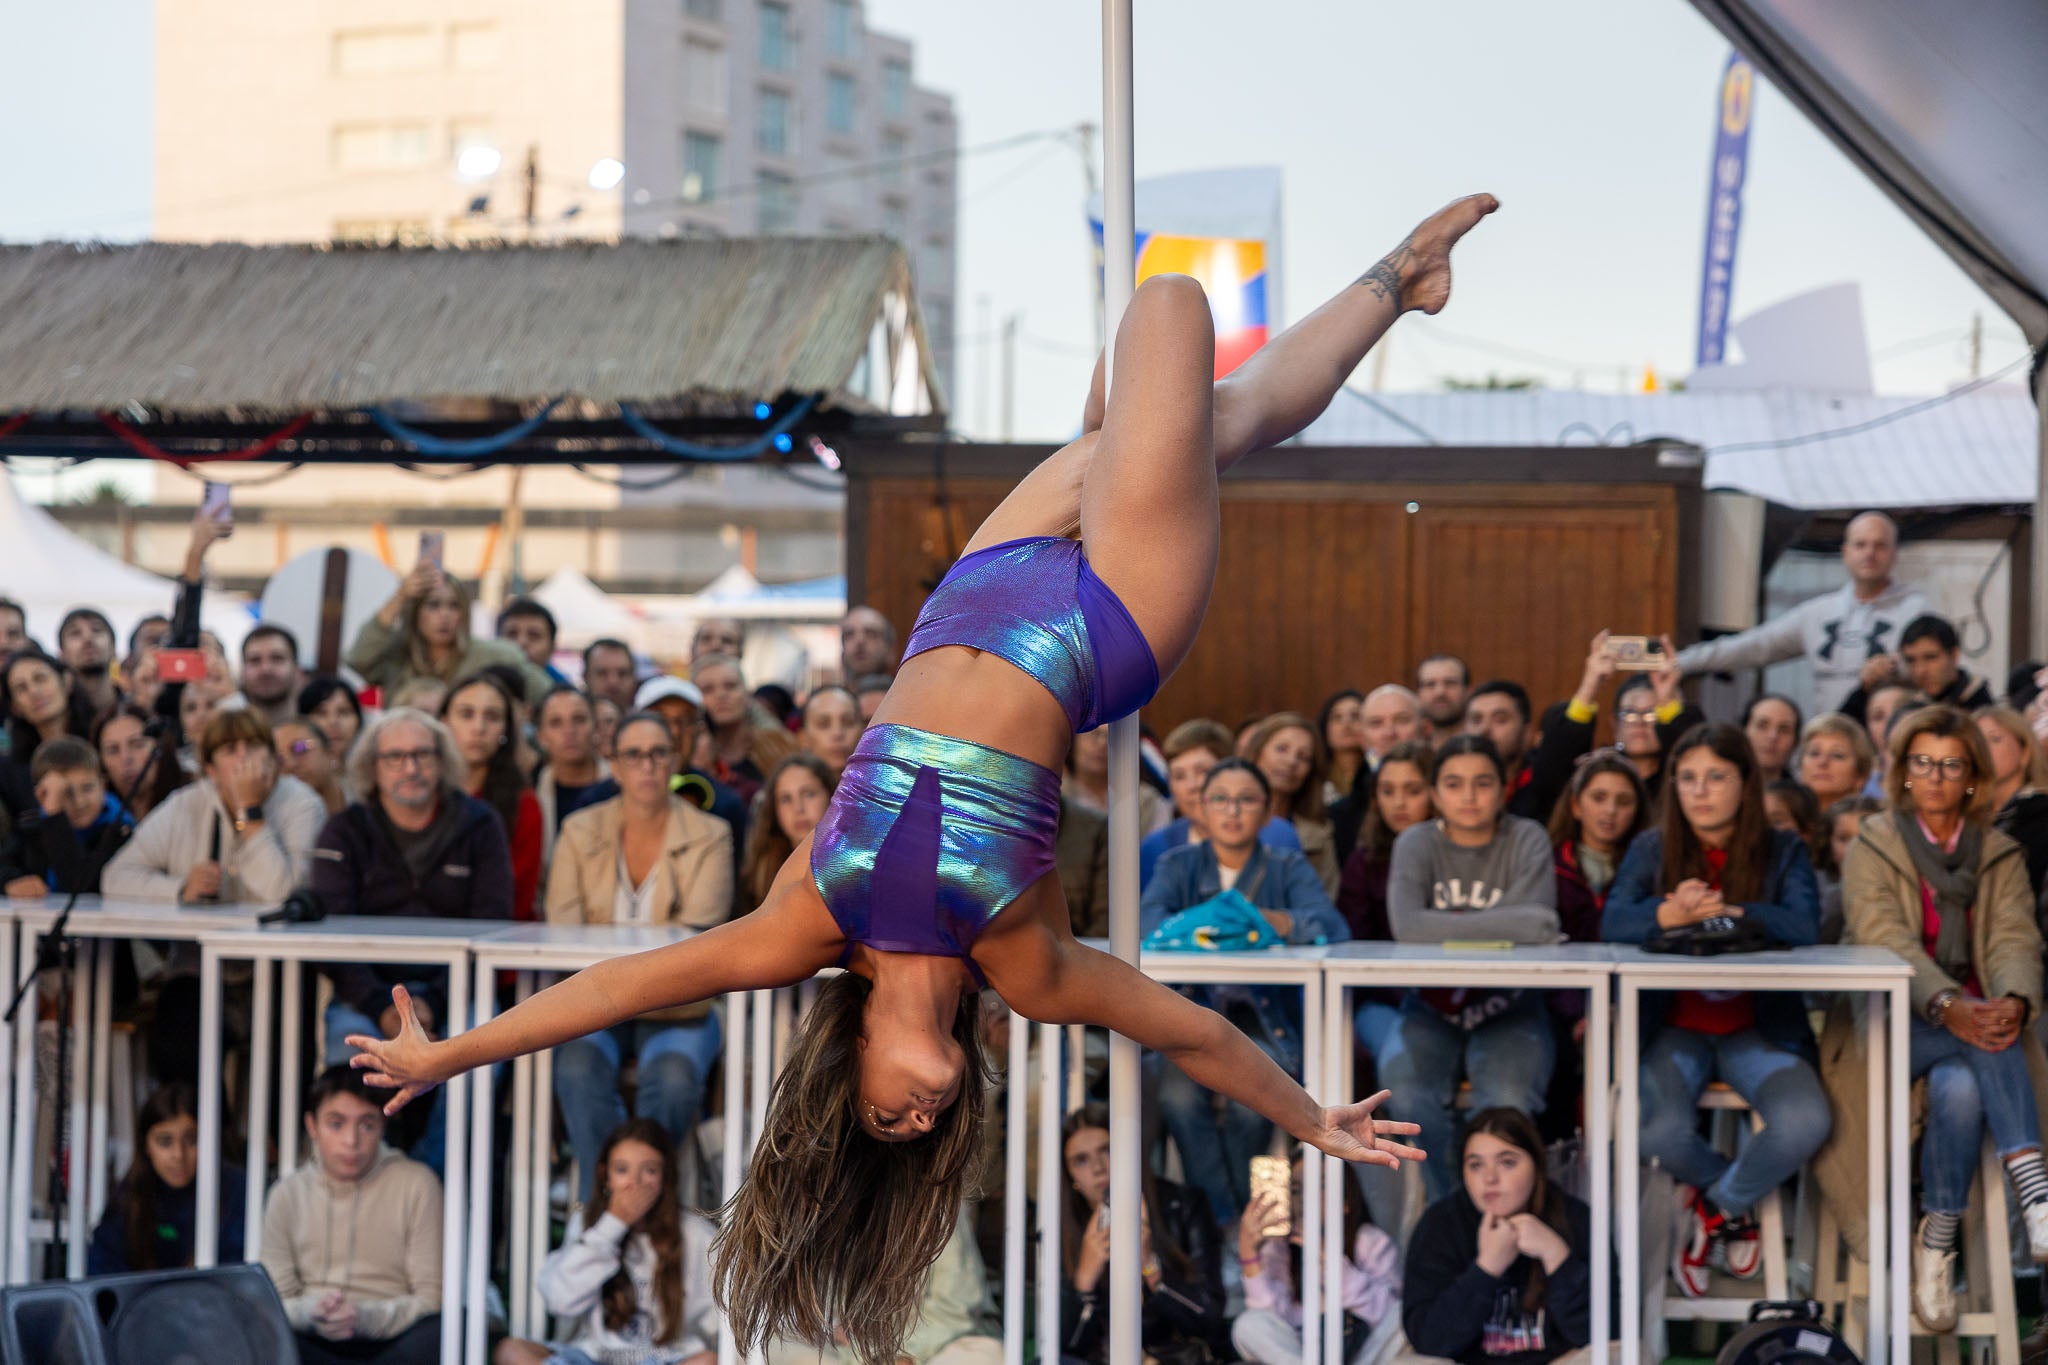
x=1010 y=376
x=532 y=187
x=1084 y=135
x=1976 y=345
x=986 y=338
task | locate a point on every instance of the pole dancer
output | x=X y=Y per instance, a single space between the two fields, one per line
x=928 y=877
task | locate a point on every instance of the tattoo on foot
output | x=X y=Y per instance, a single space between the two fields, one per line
x=1384 y=279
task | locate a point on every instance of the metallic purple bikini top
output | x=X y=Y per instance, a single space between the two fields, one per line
x=1037 y=603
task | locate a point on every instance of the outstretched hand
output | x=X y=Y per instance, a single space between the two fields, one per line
x=409 y=1063
x=1350 y=1131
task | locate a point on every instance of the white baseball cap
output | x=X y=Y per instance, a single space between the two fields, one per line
x=665 y=686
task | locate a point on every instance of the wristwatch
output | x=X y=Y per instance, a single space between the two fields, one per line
x=1937 y=1008
x=250 y=815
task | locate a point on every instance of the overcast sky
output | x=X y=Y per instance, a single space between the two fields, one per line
x=1591 y=119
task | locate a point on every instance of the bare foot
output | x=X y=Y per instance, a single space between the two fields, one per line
x=1417 y=273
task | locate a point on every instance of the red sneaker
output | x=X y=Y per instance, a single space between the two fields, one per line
x=1691 y=1259
x=1739 y=1248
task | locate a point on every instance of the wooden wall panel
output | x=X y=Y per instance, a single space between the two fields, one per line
x=1333 y=583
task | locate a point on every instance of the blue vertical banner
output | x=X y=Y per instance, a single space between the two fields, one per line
x=1724 y=205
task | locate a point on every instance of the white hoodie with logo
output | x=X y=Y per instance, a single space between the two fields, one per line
x=1837 y=633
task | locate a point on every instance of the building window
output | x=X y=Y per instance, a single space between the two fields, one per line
x=839 y=102
x=710 y=11
x=704 y=76
x=384 y=51
x=778 y=43
x=474 y=47
x=777 y=203
x=384 y=231
x=895 y=90
x=896 y=219
x=842 y=29
x=895 y=152
x=773 y=133
x=701 y=178
x=383 y=146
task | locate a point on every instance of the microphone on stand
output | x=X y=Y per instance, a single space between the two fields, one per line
x=302 y=906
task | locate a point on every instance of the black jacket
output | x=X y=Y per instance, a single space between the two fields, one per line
x=1968 y=691
x=67 y=860
x=358 y=870
x=2025 y=819
x=1447 y=1301
x=1183 y=1307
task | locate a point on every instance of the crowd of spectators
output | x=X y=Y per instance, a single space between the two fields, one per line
x=456 y=776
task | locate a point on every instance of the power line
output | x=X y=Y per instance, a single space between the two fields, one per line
x=1897 y=415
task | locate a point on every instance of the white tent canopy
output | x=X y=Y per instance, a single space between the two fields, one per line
x=49 y=571
x=583 y=611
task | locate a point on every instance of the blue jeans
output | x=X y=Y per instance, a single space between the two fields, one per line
x=1779 y=1085
x=1215 y=1152
x=675 y=1057
x=1967 y=1088
x=1508 y=1059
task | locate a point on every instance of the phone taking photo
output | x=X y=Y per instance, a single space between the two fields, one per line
x=1272 y=1177
x=215 y=502
x=1637 y=653
x=433 y=545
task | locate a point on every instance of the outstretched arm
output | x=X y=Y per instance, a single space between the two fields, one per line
x=1085 y=986
x=778 y=945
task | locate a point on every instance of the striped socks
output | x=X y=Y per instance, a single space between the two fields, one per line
x=1941 y=1231
x=2029 y=1178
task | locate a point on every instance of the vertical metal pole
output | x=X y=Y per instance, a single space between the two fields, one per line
x=1017 y=1083
x=1126 y=1131
x=102 y=1068
x=2039 y=567
x=72 y=1135
x=206 y=1184
x=732 y=1157
x=255 y=1162
x=1049 y=1111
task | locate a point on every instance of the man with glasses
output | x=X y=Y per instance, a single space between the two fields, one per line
x=414 y=845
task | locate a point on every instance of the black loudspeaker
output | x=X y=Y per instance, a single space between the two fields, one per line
x=1788 y=1332
x=229 y=1316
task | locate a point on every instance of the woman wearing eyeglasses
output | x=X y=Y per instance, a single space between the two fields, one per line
x=1933 y=882
x=1716 y=856
x=1280 y=882
x=647 y=856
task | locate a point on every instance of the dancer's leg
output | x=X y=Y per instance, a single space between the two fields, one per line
x=1148 y=494
x=1275 y=393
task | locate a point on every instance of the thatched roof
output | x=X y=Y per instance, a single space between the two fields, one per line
x=695 y=325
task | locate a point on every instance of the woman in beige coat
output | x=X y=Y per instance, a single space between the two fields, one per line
x=644 y=857
x=1930 y=880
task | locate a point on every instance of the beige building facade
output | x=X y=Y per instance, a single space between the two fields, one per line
x=453 y=120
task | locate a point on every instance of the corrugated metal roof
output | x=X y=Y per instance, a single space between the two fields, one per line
x=1976 y=449
x=201 y=330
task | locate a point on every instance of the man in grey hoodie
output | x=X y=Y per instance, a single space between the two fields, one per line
x=1840 y=632
x=352 y=1239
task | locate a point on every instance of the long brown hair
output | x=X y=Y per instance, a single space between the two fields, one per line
x=833 y=1228
x=1075 y=1213
x=663 y=1226
x=768 y=848
x=419 y=659
x=503 y=782
x=1306 y=804
x=1375 y=837
x=1749 y=847
x=1546 y=1201
x=140 y=1188
x=1564 y=825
